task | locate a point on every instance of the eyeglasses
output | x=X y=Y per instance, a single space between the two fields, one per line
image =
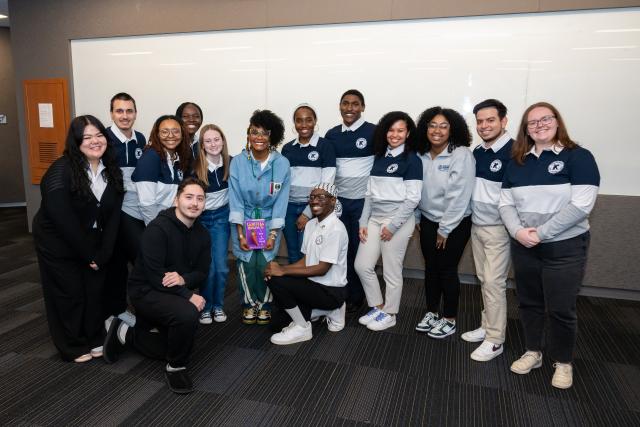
x=544 y=121
x=434 y=125
x=166 y=132
x=256 y=133
x=319 y=197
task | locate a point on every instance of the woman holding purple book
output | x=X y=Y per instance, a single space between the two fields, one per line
x=258 y=197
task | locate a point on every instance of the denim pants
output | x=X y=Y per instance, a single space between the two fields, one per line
x=292 y=236
x=217 y=222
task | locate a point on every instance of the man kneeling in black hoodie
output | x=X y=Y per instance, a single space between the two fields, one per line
x=174 y=257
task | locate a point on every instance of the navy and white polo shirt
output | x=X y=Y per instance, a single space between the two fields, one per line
x=491 y=163
x=353 y=147
x=311 y=164
x=553 y=192
x=394 y=188
x=217 y=194
x=128 y=151
x=156 y=182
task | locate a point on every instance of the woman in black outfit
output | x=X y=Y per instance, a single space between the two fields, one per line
x=74 y=233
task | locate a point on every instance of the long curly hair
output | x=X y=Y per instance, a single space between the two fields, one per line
x=183 y=149
x=380 y=135
x=80 y=182
x=459 y=135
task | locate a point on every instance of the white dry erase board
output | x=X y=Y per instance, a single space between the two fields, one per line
x=586 y=63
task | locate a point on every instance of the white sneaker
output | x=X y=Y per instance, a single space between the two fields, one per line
x=486 y=351
x=371 y=314
x=205 y=318
x=382 y=321
x=442 y=329
x=428 y=322
x=335 y=318
x=219 y=315
x=563 y=376
x=292 y=334
x=528 y=361
x=476 y=335
x=96 y=352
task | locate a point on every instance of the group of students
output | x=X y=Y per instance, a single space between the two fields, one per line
x=170 y=206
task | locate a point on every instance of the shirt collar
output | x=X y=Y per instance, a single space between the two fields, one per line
x=555 y=149
x=101 y=167
x=121 y=137
x=213 y=166
x=328 y=220
x=396 y=151
x=312 y=142
x=354 y=127
x=499 y=143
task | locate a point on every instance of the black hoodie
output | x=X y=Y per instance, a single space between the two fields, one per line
x=169 y=245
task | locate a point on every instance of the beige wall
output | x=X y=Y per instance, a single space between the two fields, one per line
x=12 y=188
x=41 y=30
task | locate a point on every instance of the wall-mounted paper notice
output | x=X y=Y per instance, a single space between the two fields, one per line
x=45 y=112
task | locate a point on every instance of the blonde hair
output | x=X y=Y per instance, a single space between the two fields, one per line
x=201 y=168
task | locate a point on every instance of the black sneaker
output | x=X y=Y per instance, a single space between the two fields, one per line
x=179 y=381
x=112 y=347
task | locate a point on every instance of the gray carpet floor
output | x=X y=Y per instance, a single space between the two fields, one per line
x=355 y=377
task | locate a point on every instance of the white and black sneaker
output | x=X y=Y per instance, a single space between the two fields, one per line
x=428 y=322
x=442 y=329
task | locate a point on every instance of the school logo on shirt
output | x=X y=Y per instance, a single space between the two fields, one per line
x=443 y=168
x=495 y=166
x=313 y=156
x=274 y=187
x=556 y=167
x=392 y=168
x=138 y=153
x=319 y=240
x=180 y=175
x=361 y=143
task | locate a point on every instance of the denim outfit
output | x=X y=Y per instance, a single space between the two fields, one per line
x=253 y=189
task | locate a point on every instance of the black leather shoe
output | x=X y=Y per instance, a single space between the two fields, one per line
x=112 y=347
x=179 y=381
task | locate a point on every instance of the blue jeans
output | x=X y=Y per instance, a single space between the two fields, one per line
x=292 y=236
x=217 y=222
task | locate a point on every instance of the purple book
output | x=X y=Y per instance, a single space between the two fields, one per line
x=256 y=232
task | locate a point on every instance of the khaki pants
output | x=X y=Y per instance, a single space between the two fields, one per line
x=392 y=261
x=492 y=255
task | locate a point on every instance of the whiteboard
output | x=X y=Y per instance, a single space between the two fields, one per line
x=586 y=63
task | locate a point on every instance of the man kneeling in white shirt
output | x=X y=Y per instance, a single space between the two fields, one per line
x=317 y=281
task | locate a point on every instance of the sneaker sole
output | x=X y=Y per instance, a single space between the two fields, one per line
x=205 y=322
x=439 y=337
x=220 y=320
x=486 y=359
x=249 y=321
x=563 y=386
x=372 y=326
x=263 y=322
x=516 y=371
x=301 y=339
x=472 y=339
x=335 y=328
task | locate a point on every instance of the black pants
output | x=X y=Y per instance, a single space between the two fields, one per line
x=175 y=318
x=351 y=211
x=441 y=265
x=73 y=301
x=124 y=253
x=549 y=276
x=289 y=292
